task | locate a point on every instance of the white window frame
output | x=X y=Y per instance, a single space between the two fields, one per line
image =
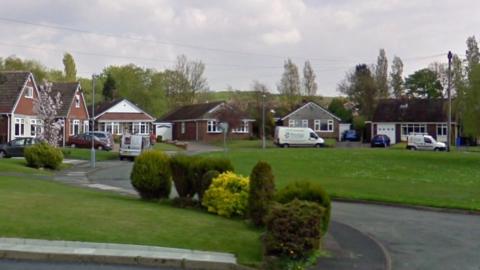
x=316 y=124
x=411 y=128
x=86 y=126
x=141 y=128
x=29 y=92
x=443 y=128
x=116 y=128
x=305 y=123
x=212 y=127
x=291 y=123
x=330 y=125
x=74 y=123
x=21 y=127
x=33 y=127
x=77 y=101
x=243 y=128
x=182 y=128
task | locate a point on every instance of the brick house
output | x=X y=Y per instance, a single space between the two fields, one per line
x=121 y=116
x=200 y=122
x=314 y=116
x=397 y=118
x=74 y=111
x=18 y=92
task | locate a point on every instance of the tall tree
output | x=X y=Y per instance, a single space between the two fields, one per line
x=309 y=84
x=289 y=86
x=471 y=118
x=193 y=71
x=69 y=68
x=177 y=89
x=424 y=83
x=472 y=54
x=14 y=63
x=109 y=88
x=381 y=74
x=361 y=88
x=396 y=75
x=337 y=107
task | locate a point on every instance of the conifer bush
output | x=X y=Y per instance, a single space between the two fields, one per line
x=261 y=193
x=151 y=175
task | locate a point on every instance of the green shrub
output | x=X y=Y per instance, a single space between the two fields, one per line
x=151 y=175
x=293 y=230
x=206 y=181
x=262 y=191
x=205 y=164
x=182 y=174
x=307 y=191
x=43 y=155
x=227 y=195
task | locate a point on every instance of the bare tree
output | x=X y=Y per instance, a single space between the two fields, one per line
x=309 y=84
x=193 y=72
x=396 y=76
x=289 y=85
x=46 y=107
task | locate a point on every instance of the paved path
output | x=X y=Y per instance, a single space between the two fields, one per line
x=43 y=265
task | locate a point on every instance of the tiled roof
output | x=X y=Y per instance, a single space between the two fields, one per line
x=67 y=93
x=102 y=107
x=411 y=110
x=11 y=83
x=188 y=112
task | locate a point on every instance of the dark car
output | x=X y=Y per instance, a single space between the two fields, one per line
x=85 y=141
x=350 y=135
x=16 y=147
x=106 y=137
x=380 y=141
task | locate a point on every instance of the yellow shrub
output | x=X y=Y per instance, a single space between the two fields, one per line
x=227 y=195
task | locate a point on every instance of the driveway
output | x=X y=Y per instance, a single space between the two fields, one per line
x=415 y=239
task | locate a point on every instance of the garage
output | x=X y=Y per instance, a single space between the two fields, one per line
x=164 y=130
x=387 y=129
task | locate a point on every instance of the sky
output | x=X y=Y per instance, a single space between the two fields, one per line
x=239 y=41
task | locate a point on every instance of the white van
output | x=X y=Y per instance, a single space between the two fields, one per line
x=424 y=142
x=133 y=145
x=289 y=136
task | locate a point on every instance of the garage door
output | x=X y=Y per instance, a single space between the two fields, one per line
x=387 y=129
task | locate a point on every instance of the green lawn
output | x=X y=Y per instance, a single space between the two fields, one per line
x=84 y=154
x=12 y=165
x=437 y=179
x=47 y=210
x=166 y=147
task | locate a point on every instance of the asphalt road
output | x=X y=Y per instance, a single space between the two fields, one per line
x=35 y=265
x=415 y=239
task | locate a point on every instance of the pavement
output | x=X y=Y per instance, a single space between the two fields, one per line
x=50 y=265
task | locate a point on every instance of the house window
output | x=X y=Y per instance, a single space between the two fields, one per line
x=29 y=92
x=115 y=128
x=442 y=130
x=77 y=101
x=182 y=128
x=304 y=123
x=212 y=127
x=19 y=126
x=33 y=127
x=407 y=129
x=330 y=125
x=291 y=123
x=140 y=128
x=85 y=126
x=316 y=125
x=75 y=127
x=243 y=128
x=324 y=125
x=136 y=128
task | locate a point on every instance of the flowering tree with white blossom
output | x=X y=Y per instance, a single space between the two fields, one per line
x=47 y=107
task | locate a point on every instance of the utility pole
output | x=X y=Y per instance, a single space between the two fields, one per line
x=263 y=121
x=92 y=152
x=449 y=127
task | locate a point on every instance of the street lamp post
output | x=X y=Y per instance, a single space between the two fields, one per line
x=449 y=87
x=263 y=121
x=92 y=151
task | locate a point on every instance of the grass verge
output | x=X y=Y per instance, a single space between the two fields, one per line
x=84 y=154
x=46 y=210
x=438 y=179
x=166 y=147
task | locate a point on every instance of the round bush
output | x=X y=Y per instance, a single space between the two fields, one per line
x=151 y=175
x=227 y=195
x=307 y=191
x=262 y=191
x=293 y=229
x=43 y=155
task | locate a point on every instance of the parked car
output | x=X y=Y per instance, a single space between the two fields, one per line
x=132 y=146
x=288 y=136
x=351 y=135
x=380 y=140
x=85 y=141
x=424 y=142
x=104 y=136
x=15 y=148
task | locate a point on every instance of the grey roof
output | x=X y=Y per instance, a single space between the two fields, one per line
x=189 y=112
x=67 y=93
x=11 y=84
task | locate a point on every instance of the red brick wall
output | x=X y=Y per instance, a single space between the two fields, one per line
x=25 y=105
x=191 y=132
x=3 y=128
x=76 y=114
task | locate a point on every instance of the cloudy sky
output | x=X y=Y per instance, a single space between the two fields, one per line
x=239 y=41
